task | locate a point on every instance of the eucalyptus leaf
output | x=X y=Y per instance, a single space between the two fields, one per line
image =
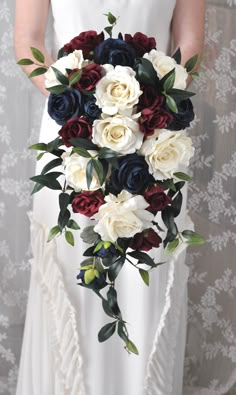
x=38 y=71
x=88 y=235
x=69 y=237
x=53 y=232
x=106 y=331
x=37 y=54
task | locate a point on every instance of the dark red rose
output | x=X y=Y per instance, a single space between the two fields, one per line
x=141 y=43
x=145 y=240
x=91 y=74
x=151 y=120
x=157 y=199
x=87 y=202
x=150 y=98
x=75 y=127
x=86 y=41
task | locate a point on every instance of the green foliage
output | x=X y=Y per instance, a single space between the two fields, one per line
x=106 y=331
x=38 y=71
x=37 y=54
x=172 y=246
x=145 y=276
x=69 y=238
x=182 y=176
x=193 y=238
x=60 y=76
x=171 y=104
x=25 y=62
x=191 y=63
x=177 y=56
x=53 y=232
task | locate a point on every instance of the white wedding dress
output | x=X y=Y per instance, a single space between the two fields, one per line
x=61 y=354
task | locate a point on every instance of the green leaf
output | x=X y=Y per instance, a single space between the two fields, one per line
x=131 y=347
x=75 y=77
x=168 y=80
x=193 y=238
x=82 y=152
x=182 y=176
x=83 y=143
x=107 y=308
x=89 y=173
x=115 y=268
x=177 y=56
x=60 y=53
x=145 y=276
x=64 y=200
x=107 y=153
x=172 y=246
x=60 y=76
x=48 y=180
x=145 y=72
x=25 y=62
x=37 y=188
x=39 y=147
x=38 y=71
x=191 y=63
x=177 y=204
x=57 y=89
x=63 y=219
x=112 y=300
x=89 y=276
x=51 y=165
x=99 y=170
x=39 y=156
x=194 y=75
x=171 y=104
x=142 y=257
x=108 y=29
x=168 y=219
x=37 y=54
x=73 y=225
x=69 y=237
x=180 y=94
x=106 y=331
x=111 y=18
x=122 y=331
x=53 y=232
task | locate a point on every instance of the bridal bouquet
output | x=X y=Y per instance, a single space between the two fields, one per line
x=122 y=108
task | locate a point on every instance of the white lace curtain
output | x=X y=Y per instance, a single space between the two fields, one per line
x=211 y=344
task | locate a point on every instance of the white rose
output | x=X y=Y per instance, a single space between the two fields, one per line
x=118 y=91
x=163 y=64
x=122 y=216
x=121 y=134
x=72 y=61
x=166 y=151
x=75 y=172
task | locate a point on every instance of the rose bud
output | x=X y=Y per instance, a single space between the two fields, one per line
x=86 y=41
x=157 y=199
x=141 y=43
x=145 y=240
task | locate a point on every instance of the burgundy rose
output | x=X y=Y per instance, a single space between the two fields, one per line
x=145 y=240
x=91 y=74
x=87 y=202
x=141 y=43
x=150 y=98
x=157 y=199
x=75 y=127
x=151 y=120
x=86 y=41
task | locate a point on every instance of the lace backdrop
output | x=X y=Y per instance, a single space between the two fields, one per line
x=211 y=344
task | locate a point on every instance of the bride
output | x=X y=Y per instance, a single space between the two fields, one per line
x=60 y=353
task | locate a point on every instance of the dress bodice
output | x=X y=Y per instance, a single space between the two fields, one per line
x=152 y=17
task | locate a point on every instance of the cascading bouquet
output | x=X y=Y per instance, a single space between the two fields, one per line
x=122 y=107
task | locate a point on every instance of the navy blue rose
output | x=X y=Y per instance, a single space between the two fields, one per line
x=184 y=116
x=132 y=175
x=91 y=110
x=66 y=105
x=97 y=283
x=109 y=252
x=114 y=51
